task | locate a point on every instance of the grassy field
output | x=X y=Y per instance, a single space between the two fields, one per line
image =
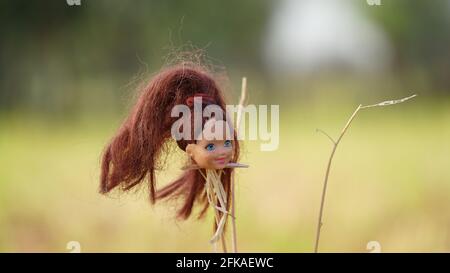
x=390 y=183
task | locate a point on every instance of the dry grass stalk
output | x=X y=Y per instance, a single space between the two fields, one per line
x=233 y=188
x=335 y=144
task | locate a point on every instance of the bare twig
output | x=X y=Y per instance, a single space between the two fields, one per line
x=238 y=122
x=327 y=135
x=335 y=144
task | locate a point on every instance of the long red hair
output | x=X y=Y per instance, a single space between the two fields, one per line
x=132 y=155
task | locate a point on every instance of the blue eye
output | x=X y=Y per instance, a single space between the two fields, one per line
x=210 y=147
x=227 y=143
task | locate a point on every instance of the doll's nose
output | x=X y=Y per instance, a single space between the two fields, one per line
x=223 y=152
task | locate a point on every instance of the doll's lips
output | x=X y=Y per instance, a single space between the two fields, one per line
x=221 y=160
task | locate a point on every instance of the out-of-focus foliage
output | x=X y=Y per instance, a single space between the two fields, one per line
x=420 y=32
x=49 y=50
x=61 y=59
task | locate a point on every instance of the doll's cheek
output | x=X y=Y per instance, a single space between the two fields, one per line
x=209 y=159
x=204 y=160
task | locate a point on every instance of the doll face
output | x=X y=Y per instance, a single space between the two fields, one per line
x=214 y=150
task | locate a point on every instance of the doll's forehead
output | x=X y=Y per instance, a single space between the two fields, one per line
x=217 y=130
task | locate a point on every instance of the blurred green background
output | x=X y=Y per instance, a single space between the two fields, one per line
x=68 y=75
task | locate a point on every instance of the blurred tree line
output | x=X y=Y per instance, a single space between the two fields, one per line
x=420 y=33
x=53 y=54
x=56 y=58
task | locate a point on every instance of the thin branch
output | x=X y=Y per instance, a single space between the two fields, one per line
x=327 y=173
x=390 y=102
x=335 y=144
x=327 y=135
x=241 y=102
x=233 y=200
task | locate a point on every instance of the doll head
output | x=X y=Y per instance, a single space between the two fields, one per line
x=133 y=154
x=204 y=134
